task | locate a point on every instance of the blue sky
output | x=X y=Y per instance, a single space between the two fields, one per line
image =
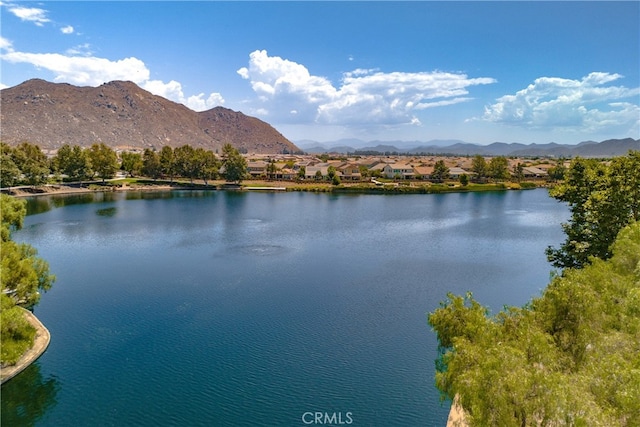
x=477 y=71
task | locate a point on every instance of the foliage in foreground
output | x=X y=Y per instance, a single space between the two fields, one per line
x=16 y=332
x=22 y=274
x=570 y=357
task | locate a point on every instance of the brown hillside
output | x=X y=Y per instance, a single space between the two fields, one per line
x=122 y=115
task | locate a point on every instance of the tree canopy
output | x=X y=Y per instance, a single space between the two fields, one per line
x=235 y=166
x=570 y=357
x=602 y=199
x=22 y=275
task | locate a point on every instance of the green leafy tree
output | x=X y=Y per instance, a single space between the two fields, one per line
x=22 y=273
x=235 y=165
x=570 y=357
x=440 y=171
x=479 y=167
x=464 y=180
x=74 y=162
x=104 y=161
x=32 y=163
x=302 y=172
x=498 y=168
x=272 y=169
x=210 y=165
x=131 y=162
x=188 y=162
x=556 y=173
x=151 y=166
x=167 y=162
x=22 y=276
x=9 y=171
x=602 y=200
x=518 y=172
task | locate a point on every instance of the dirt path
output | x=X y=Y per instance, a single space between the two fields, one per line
x=40 y=344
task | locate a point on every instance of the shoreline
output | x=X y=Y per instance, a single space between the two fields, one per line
x=40 y=345
x=275 y=186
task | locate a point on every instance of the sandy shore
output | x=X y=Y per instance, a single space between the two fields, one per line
x=456 y=415
x=40 y=344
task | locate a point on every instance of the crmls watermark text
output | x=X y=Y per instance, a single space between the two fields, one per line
x=327 y=418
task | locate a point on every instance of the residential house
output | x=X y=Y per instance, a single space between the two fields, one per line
x=398 y=170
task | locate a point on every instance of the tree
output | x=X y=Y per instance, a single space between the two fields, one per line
x=235 y=165
x=22 y=276
x=73 y=162
x=567 y=358
x=479 y=167
x=464 y=180
x=518 y=172
x=131 y=162
x=22 y=273
x=302 y=172
x=602 y=200
x=104 y=161
x=556 y=173
x=151 y=164
x=271 y=169
x=210 y=165
x=187 y=162
x=167 y=162
x=32 y=163
x=440 y=171
x=9 y=172
x=498 y=168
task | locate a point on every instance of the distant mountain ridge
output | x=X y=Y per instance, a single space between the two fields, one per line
x=608 y=148
x=122 y=115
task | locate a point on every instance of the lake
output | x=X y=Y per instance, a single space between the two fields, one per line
x=244 y=309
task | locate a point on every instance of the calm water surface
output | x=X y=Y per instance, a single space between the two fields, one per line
x=235 y=309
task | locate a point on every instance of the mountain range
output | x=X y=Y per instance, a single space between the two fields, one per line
x=608 y=148
x=122 y=115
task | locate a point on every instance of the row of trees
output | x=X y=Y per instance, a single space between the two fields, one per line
x=27 y=164
x=22 y=275
x=569 y=357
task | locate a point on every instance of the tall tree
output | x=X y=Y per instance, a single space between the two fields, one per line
x=210 y=165
x=151 y=166
x=131 y=162
x=73 y=162
x=167 y=162
x=235 y=165
x=479 y=168
x=32 y=163
x=9 y=171
x=498 y=168
x=440 y=171
x=187 y=162
x=22 y=273
x=104 y=161
x=602 y=199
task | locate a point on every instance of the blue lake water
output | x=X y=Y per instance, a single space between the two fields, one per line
x=246 y=309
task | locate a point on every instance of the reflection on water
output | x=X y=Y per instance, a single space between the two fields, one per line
x=107 y=211
x=27 y=397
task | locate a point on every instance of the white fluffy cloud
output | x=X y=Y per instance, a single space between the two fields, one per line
x=364 y=96
x=173 y=90
x=94 y=71
x=587 y=104
x=31 y=14
x=67 y=29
